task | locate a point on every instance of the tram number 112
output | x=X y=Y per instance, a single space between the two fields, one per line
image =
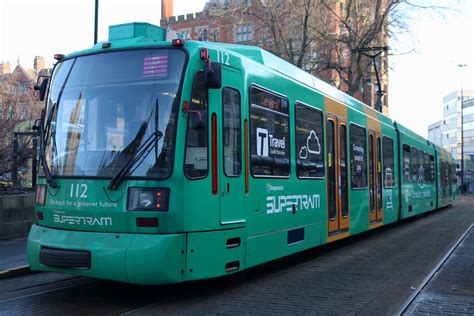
x=78 y=190
x=223 y=57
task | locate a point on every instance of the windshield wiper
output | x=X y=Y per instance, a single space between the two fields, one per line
x=142 y=151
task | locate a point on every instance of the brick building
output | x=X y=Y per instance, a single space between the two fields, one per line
x=19 y=105
x=213 y=25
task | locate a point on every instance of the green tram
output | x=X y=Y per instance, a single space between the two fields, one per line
x=169 y=161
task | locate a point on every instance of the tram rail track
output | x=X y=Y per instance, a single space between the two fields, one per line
x=11 y=294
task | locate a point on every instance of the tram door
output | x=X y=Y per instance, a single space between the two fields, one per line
x=230 y=147
x=443 y=182
x=375 y=178
x=337 y=175
x=449 y=181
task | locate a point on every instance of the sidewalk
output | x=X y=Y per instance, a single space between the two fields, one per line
x=451 y=288
x=13 y=257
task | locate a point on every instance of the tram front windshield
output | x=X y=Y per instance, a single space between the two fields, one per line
x=103 y=107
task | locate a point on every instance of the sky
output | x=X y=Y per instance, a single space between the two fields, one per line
x=419 y=80
x=423 y=62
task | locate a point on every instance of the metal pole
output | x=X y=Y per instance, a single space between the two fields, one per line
x=462 y=138
x=14 y=169
x=96 y=20
x=462 y=131
x=378 y=103
x=378 y=50
x=34 y=164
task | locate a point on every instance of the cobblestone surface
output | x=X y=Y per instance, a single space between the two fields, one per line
x=451 y=290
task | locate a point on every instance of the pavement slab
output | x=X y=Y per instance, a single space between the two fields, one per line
x=451 y=289
x=12 y=254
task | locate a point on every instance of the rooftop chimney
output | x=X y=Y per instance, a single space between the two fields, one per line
x=166 y=9
x=4 y=68
x=39 y=63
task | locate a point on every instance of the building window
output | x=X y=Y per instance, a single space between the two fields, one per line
x=202 y=34
x=266 y=38
x=186 y=33
x=309 y=142
x=10 y=113
x=23 y=87
x=244 y=33
x=269 y=134
x=214 y=35
x=23 y=113
x=358 y=157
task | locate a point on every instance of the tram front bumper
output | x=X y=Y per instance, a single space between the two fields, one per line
x=133 y=258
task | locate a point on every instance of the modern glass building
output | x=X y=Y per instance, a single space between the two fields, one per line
x=435 y=133
x=468 y=129
x=447 y=132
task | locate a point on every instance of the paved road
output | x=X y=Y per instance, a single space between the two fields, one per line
x=373 y=273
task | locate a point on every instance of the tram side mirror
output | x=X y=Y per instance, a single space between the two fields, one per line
x=195 y=117
x=197 y=121
x=213 y=75
x=41 y=88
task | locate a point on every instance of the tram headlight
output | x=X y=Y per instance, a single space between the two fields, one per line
x=148 y=199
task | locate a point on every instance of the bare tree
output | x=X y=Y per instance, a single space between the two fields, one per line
x=19 y=107
x=322 y=36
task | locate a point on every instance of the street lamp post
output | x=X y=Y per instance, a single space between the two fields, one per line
x=376 y=51
x=462 y=131
x=96 y=20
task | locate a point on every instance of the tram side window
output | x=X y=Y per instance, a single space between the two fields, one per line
x=309 y=142
x=421 y=167
x=432 y=173
x=414 y=164
x=388 y=164
x=427 y=173
x=196 y=160
x=232 y=132
x=358 y=157
x=446 y=173
x=269 y=134
x=443 y=179
x=455 y=180
x=406 y=163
